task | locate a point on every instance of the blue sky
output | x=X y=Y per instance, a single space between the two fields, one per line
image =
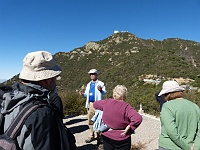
x=62 y=25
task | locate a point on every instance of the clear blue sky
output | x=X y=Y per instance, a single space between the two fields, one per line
x=62 y=25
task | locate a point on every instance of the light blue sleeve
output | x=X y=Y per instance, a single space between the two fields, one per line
x=98 y=120
x=103 y=88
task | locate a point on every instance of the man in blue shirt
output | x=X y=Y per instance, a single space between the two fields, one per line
x=94 y=91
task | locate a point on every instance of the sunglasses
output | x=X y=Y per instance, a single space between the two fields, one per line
x=92 y=74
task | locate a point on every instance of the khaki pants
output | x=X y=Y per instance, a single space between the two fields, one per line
x=90 y=114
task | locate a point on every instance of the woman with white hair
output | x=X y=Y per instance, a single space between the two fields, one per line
x=180 y=120
x=120 y=116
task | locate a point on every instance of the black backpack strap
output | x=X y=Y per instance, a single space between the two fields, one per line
x=1 y=118
x=1 y=123
x=18 y=122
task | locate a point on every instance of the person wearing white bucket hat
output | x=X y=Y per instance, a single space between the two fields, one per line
x=38 y=66
x=44 y=128
x=95 y=90
x=170 y=86
x=180 y=120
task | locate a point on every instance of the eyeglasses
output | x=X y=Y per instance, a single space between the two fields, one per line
x=92 y=74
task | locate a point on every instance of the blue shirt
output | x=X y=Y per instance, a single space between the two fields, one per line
x=92 y=92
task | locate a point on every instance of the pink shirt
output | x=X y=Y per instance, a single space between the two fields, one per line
x=117 y=115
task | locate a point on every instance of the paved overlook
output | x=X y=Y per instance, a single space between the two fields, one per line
x=146 y=134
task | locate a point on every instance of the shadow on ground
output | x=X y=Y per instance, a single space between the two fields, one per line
x=78 y=129
x=73 y=121
x=87 y=147
x=75 y=126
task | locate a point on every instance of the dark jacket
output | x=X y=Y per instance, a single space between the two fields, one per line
x=160 y=99
x=44 y=129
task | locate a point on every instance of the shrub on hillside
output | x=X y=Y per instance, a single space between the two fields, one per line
x=73 y=103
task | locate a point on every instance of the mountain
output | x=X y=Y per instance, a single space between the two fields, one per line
x=2 y=80
x=123 y=58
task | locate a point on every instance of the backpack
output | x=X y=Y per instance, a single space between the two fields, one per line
x=8 y=139
x=71 y=139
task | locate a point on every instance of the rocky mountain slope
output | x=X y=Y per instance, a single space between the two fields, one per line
x=123 y=58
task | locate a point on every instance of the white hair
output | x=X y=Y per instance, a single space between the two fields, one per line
x=120 y=92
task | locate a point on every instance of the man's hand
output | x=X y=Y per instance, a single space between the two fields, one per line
x=81 y=92
x=99 y=88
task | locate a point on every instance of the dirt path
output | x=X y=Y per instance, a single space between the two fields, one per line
x=146 y=134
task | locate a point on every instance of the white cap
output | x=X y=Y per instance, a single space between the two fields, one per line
x=93 y=71
x=170 y=86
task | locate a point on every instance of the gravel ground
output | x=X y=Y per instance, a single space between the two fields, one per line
x=146 y=134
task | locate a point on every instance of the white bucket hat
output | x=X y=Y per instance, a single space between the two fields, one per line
x=93 y=71
x=38 y=66
x=170 y=86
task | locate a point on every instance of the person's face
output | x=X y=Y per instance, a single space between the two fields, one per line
x=50 y=84
x=93 y=76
